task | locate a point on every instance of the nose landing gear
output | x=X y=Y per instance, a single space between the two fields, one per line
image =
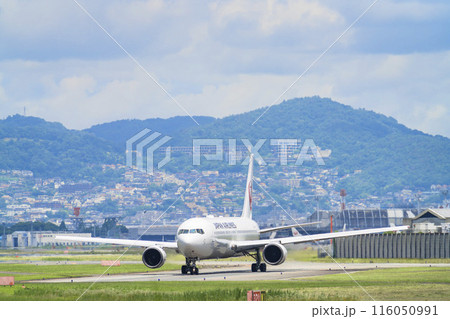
x=190 y=267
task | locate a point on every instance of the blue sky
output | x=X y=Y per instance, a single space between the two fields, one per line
x=223 y=57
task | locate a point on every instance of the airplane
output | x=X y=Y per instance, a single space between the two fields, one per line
x=222 y=237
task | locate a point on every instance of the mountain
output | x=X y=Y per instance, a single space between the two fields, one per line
x=118 y=132
x=389 y=155
x=49 y=149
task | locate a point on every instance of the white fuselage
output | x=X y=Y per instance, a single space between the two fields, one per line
x=205 y=238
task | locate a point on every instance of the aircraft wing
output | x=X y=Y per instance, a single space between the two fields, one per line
x=266 y=230
x=125 y=242
x=252 y=244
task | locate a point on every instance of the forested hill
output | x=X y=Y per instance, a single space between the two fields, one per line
x=118 y=132
x=390 y=155
x=49 y=149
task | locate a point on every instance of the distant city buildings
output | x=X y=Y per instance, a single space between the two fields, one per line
x=136 y=198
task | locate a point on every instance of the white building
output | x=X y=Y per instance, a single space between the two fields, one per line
x=430 y=220
x=22 y=239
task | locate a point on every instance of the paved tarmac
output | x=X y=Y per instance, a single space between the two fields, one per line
x=240 y=271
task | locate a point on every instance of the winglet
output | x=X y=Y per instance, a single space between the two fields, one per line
x=247 y=209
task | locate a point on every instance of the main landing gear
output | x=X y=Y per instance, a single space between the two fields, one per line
x=190 y=267
x=258 y=265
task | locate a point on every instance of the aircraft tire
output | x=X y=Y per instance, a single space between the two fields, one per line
x=194 y=270
x=263 y=267
x=254 y=267
x=184 y=270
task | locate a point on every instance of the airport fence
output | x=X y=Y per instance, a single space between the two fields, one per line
x=413 y=245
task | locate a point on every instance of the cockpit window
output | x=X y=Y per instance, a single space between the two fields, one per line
x=191 y=231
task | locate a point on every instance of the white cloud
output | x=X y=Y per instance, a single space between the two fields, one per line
x=270 y=15
x=401 y=86
x=436 y=112
x=221 y=58
x=84 y=100
x=141 y=13
x=243 y=93
x=30 y=19
x=409 y=10
x=274 y=24
x=432 y=119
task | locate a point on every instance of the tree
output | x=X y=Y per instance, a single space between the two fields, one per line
x=110 y=228
x=108 y=206
x=62 y=226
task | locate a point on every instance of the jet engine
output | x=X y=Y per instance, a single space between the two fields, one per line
x=154 y=257
x=274 y=254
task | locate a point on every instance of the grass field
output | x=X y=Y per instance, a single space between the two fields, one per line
x=98 y=253
x=310 y=254
x=422 y=283
x=23 y=272
x=418 y=283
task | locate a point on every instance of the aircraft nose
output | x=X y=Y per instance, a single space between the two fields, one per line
x=188 y=245
x=185 y=242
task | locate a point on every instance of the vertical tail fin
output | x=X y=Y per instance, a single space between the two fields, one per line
x=247 y=209
x=295 y=232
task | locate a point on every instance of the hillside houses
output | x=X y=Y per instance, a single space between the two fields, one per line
x=138 y=198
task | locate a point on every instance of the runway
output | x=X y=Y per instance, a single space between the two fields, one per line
x=238 y=271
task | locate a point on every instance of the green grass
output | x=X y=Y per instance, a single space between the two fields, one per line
x=168 y=291
x=98 y=253
x=310 y=254
x=306 y=254
x=71 y=250
x=418 y=283
x=77 y=257
x=23 y=272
